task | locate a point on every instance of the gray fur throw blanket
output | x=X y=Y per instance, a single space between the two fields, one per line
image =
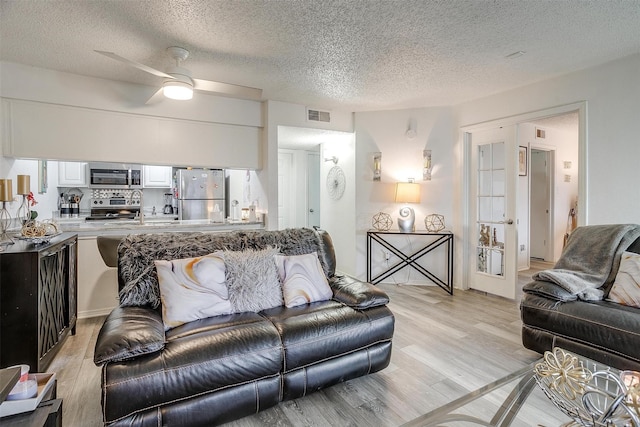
x=591 y=259
x=137 y=252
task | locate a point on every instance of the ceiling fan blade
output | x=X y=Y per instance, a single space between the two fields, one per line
x=228 y=89
x=156 y=97
x=134 y=64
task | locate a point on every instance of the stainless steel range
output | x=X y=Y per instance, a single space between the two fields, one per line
x=114 y=204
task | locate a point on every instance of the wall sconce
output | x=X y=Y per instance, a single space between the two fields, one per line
x=426 y=165
x=411 y=132
x=6 y=195
x=377 y=166
x=407 y=192
x=333 y=159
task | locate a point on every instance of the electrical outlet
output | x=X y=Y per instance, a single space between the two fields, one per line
x=387 y=255
x=521 y=248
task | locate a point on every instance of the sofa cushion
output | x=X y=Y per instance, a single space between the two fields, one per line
x=601 y=324
x=199 y=357
x=322 y=330
x=137 y=252
x=626 y=287
x=129 y=332
x=549 y=290
x=192 y=289
x=357 y=294
x=252 y=279
x=302 y=279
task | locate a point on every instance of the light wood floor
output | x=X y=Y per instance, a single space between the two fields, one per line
x=444 y=346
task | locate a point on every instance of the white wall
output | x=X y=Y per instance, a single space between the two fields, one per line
x=276 y=114
x=385 y=131
x=47 y=202
x=54 y=115
x=611 y=92
x=338 y=217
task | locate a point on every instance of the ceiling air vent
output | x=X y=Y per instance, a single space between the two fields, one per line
x=318 y=116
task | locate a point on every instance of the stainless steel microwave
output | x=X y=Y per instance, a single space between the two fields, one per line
x=115 y=175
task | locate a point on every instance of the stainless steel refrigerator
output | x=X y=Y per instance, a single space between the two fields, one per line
x=199 y=192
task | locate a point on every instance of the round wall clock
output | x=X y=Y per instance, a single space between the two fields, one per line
x=335 y=182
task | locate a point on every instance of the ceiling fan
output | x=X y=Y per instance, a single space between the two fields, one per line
x=178 y=83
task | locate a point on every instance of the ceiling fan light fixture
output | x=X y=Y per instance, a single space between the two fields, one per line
x=175 y=89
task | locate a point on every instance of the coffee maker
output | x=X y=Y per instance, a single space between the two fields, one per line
x=168 y=204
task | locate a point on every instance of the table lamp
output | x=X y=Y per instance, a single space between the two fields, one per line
x=24 y=188
x=6 y=195
x=407 y=192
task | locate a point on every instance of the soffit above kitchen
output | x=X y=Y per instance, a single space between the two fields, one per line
x=333 y=55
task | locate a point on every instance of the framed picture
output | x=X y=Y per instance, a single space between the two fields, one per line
x=522 y=161
x=43 y=181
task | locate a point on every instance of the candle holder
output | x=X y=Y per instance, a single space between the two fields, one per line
x=5 y=222
x=24 y=211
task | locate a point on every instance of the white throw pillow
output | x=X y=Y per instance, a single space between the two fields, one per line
x=626 y=287
x=303 y=280
x=192 y=289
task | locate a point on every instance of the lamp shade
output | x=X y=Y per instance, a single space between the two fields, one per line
x=6 y=190
x=407 y=192
x=24 y=184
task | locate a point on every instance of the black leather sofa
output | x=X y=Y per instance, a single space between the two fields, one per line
x=600 y=330
x=222 y=368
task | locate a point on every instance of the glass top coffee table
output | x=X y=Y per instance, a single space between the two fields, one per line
x=517 y=400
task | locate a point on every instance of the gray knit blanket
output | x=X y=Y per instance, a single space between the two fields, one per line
x=137 y=252
x=590 y=261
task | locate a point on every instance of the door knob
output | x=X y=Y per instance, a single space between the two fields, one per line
x=311 y=210
x=509 y=221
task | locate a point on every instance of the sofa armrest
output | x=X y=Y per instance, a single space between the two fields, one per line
x=129 y=332
x=357 y=294
x=549 y=290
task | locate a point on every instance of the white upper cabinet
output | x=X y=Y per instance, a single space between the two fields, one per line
x=72 y=174
x=157 y=176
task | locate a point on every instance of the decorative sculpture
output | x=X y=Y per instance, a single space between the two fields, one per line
x=434 y=223
x=382 y=221
x=406 y=220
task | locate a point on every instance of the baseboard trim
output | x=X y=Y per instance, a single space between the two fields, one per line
x=94 y=313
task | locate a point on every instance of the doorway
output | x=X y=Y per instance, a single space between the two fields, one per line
x=571 y=156
x=540 y=205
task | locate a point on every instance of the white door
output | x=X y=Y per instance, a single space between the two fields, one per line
x=313 y=190
x=492 y=211
x=285 y=190
x=540 y=204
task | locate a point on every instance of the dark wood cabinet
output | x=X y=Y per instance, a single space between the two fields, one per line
x=38 y=300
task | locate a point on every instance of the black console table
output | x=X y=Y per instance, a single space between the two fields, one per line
x=38 y=300
x=432 y=241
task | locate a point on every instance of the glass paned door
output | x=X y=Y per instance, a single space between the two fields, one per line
x=493 y=206
x=491 y=209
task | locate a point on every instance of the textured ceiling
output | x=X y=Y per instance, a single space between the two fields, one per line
x=343 y=55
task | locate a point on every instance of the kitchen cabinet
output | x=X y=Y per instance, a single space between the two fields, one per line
x=63 y=131
x=72 y=174
x=157 y=176
x=38 y=300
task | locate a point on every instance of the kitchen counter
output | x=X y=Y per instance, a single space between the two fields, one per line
x=151 y=225
x=98 y=283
